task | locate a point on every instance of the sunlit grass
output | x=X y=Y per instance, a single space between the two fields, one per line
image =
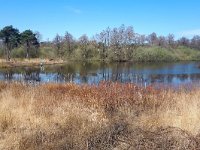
x=104 y=116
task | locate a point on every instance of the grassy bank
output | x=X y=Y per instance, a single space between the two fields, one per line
x=28 y=62
x=158 y=54
x=137 y=54
x=107 y=116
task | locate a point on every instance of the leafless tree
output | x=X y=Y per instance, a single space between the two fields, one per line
x=170 y=40
x=195 y=42
x=129 y=35
x=83 y=42
x=142 y=39
x=152 y=38
x=129 y=42
x=58 y=43
x=184 y=41
x=108 y=30
x=102 y=38
x=69 y=41
x=162 y=41
x=38 y=36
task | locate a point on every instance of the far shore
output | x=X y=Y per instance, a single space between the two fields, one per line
x=34 y=62
x=29 y=62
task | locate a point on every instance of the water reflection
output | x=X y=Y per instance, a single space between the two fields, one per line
x=93 y=73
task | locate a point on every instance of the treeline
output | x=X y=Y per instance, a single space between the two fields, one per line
x=117 y=44
x=11 y=38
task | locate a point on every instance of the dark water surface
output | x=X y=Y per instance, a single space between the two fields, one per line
x=81 y=72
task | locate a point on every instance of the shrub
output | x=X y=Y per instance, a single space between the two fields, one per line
x=18 y=53
x=47 y=52
x=154 y=54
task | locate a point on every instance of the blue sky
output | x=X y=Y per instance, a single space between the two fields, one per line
x=50 y=17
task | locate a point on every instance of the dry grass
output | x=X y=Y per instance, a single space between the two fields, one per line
x=28 y=62
x=108 y=116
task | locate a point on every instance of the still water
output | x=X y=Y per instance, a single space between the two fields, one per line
x=93 y=73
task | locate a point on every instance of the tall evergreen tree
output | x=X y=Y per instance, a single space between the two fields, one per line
x=11 y=39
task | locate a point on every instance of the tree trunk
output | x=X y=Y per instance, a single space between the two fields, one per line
x=7 y=50
x=27 y=52
x=27 y=49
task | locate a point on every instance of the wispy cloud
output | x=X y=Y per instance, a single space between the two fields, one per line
x=190 y=33
x=73 y=10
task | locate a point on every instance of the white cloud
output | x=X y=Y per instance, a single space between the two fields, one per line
x=190 y=33
x=73 y=10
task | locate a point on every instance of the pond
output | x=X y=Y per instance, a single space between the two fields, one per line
x=92 y=73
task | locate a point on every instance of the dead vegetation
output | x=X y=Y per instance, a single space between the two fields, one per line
x=105 y=116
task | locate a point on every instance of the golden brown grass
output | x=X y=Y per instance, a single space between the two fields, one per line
x=28 y=62
x=108 y=116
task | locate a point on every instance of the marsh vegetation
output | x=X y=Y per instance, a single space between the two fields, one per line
x=104 y=116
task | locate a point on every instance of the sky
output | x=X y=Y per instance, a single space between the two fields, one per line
x=51 y=17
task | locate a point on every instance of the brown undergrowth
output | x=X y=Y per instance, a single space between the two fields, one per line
x=105 y=116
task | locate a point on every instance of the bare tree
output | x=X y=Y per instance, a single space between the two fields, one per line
x=170 y=40
x=115 y=43
x=102 y=39
x=152 y=38
x=129 y=35
x=121 y=35
x=69 y=42
x=161 y=41
x=195 y=42
x=184 y=41
x=108 y=30
x=142 y=39
x=58 y=43
x=38 y=35
x=83 y=42
x=129 y=41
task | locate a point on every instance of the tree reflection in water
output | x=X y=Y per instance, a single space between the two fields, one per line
x=93 y=73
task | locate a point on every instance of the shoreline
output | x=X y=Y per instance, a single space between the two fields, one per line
x=37 y=62
x=28 y=62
